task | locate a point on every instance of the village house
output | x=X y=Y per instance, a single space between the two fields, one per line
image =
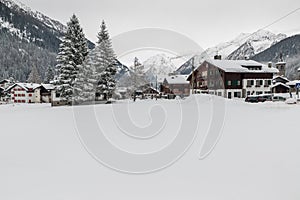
x=27 y=93
x=232 y=78
x=5 y=83
x=280 y=84
x=176 y=85
x=293 y=84
x=150 y=92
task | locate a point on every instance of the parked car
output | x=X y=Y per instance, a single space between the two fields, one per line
x=278 y=98
x=291 y=101
x=252 y=99
x=265 y=97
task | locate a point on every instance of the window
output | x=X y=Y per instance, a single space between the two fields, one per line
x=237 y=94
x=229 y=83
x=249 y=83
x=23 y=101
x=30 y=95
x=238 y=83
x=269 y=82
x=258 y=83
x=23 y=95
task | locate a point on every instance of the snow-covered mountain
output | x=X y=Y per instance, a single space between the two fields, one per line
x=29 y=25
x=27 y=38
x=244 y=45
x=51 y=23
x=158 y=65
x=256 y=43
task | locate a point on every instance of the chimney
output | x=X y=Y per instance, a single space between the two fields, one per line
x=270 y=64
x=218 y=57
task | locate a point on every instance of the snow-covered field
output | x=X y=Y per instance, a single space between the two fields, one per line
x=257 y=157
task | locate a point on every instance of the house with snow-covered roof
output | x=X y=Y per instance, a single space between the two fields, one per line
x=26 y=93
x=5 y=83
x=176 y=85
x=1 y=93
x=232 y=78
x=280 y=84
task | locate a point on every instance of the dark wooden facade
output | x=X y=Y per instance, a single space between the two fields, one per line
x=208 y=76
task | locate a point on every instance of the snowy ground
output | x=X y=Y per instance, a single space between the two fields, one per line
x=42 y=157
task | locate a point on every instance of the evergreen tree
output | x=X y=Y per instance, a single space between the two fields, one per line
x=34 y=76
x=85 y=83
x=138 y=76
x=72 y=53
x=105 y=64
x=49 y=75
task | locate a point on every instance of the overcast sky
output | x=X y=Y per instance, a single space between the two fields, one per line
x=207 y=22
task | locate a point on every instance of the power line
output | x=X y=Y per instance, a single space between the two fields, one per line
x=274 y=22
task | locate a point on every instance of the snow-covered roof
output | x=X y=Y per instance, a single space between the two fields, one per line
x=293 y=83
x=242 y=66
x=161 y=78
x=1 y=88
x=4 y=81
x=281 y=77
x=282 y=84
x=152 y=88
x=49 y=86
x=281 y=63
x=25 y=86
x=177 y=79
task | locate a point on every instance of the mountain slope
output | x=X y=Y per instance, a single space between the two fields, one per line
x=28 y=38
x=30 y=26
x=244 y=45
x=256 y=43
x=289 y=48
x=158 y=65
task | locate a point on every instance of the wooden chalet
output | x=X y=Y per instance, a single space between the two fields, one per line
x=232 y=78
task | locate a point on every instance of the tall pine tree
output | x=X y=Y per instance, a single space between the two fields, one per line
x=49 y=75
x=72 y=53
x=34 y=76
x=105 y=64
x=85 y=83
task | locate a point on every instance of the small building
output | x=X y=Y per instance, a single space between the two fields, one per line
x=5 y=83
x=280 y=88
x=46 y=94
x=176 y=85
x=281 y=66
x=1 y=93
x=280 y=79
x=232 y=78
x=280 y=84
x=150 y=92
x=26 y=93
x=292 y=85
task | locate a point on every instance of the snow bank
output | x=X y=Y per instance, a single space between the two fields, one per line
x=41 y=156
